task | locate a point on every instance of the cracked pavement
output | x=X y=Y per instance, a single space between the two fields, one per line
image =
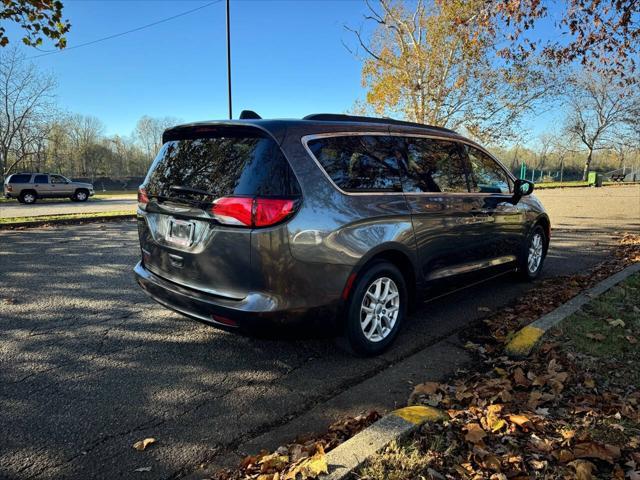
x=89 y=365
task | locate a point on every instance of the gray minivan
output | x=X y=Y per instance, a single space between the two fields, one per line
x=333 y=220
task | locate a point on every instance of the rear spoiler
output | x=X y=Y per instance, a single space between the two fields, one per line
x=192 y=131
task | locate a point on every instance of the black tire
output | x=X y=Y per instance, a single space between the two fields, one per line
x=81 y=195
x=355 y=333
x=20 y=200
x=29 y=197
x=525 y=272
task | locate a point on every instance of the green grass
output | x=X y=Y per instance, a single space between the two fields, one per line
x=67 y=216
x=607 y=330
x=561 y=184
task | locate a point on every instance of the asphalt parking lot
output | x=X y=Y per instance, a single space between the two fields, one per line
x=89 y=365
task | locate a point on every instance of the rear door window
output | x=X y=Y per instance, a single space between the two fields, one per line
x=487 y=176
x=19 y=178
x=434 y=165
x=223 y=162
x=41 y=179
x=359 y=163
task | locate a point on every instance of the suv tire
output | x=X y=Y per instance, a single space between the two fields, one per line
x=376 y=309
x=81 y=195
x=28 y=197
x=534 y=251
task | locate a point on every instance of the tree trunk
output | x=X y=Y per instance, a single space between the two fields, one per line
x=587 y=164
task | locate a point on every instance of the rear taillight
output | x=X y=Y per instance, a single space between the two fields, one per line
x=143 y=198
x=233 y=211
x=252 y=212
x=9 y=188
x=269 y=211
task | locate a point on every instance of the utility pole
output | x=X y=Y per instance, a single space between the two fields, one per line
x=229 y=61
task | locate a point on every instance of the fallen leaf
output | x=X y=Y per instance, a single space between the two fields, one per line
x=519 y=420
x=484 y=309
x=143 y=469
x=584 y=469
x=309 y=467
x=617 y=323
x=596 y=450
x=631 y=339
x=520 y=378
x=589 y=382
x=475 y=433
x=142 y=444
x=275 y=461
x=427 y=388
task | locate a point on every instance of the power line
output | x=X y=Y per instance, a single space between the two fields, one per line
x=115 y=35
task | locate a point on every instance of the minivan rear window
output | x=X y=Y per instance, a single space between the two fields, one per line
x=19 y=178
x=224 y=162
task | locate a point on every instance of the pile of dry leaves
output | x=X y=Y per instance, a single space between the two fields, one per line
x=300 y=460
x=544 y=417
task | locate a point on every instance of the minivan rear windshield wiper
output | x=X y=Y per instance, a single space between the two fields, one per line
x=194 y=191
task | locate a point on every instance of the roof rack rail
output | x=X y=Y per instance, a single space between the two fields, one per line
x=337 y=117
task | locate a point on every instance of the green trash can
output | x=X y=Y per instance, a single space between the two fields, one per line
x=599 y=179
x=591 y=178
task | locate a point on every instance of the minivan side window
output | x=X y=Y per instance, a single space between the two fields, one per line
x=486 y=175
x=434 y=165
x=359 y=163
x=41 y=179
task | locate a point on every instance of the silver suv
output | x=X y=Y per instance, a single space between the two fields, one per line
x=28 y=187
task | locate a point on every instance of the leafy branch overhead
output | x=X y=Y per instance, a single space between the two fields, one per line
x=39 y=20
x=480 y=64
x=435 y=64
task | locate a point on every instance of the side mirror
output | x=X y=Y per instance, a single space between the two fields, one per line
x=522 y=188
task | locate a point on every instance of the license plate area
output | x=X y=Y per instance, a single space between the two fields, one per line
x=180 y=232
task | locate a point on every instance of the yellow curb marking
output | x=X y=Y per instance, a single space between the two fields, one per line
x=418 y=414
x=524 y=340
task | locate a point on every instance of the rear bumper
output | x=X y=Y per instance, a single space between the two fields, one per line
x=253 y=312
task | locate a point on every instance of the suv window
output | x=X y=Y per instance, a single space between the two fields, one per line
x=359 y=163
x=19 y=178
x=433 y=166
x=224 y=161
x=58 y=179
x=486 y=175
x=41 y=179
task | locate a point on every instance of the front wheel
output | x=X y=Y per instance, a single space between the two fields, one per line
x=81 y=195
x=533 y=254
x=377 y=308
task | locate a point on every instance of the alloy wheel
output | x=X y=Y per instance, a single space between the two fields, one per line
x=379 y=309
x=536 y=248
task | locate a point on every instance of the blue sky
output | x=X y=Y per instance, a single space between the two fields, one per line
x=287 y=55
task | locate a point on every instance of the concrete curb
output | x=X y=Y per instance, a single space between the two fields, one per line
x=349 y=455
x=67 y=221
x=526 y=339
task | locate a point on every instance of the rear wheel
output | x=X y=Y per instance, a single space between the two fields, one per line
x=28 y=197
x=81 y=195
x=376 y=309
x=533 y=254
